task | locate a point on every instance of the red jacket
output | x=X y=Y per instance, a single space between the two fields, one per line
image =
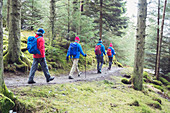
x=41 y=47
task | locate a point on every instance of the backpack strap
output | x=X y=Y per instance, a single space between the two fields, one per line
x=39 y=37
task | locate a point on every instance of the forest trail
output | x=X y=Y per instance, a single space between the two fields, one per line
x=12 y=80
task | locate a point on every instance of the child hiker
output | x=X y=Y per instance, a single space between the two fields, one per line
x=110 y=53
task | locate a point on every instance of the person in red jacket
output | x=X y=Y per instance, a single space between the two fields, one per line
x=39 y=58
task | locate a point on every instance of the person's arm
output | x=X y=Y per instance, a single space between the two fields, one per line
x=113 y=51
x=41 y=46
x=80 y=50
x=103 y=49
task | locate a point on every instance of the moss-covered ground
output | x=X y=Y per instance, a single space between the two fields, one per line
x=91 y=97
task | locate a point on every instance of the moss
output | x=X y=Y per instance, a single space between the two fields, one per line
x=125 y=81
x=5 y=104
x=156 y=82
x=159 y=87
x=163 y=80
x=107 y=82
x=135 y=103
x=156 y=105
x=168 y=87
x=158 y=100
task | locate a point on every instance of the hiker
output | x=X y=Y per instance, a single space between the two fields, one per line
x=110 y=53
x=39 y=58
x=99 y=51
x=74 y=51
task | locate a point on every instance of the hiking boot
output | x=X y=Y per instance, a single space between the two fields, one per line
x=99 y=71
x=31 y=82
x=108 y=68
x=50 y=79
x=79 y=74
x=70 y=77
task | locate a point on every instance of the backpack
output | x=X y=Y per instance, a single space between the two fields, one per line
x=98 y=50
x=109 y=52
x=73 y=49
x=32 y=45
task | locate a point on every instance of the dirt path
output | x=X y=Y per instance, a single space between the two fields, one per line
x=18 y=81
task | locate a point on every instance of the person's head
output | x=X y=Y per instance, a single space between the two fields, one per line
x=110 y=45
x=100 y=41
x=77 y=39
x=40 y=32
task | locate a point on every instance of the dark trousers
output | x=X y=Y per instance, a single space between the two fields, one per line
x=110 y=62
x=99 y=62
x=44 y=67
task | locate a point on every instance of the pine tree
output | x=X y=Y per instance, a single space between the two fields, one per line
x=140 y=43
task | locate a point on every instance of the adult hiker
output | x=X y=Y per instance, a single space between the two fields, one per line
x=74 y=51
x=99 y=51
x=110 y=53
x=39 y=58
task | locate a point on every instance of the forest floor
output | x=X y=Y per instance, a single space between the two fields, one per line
x=97 y=93
x=18 y=79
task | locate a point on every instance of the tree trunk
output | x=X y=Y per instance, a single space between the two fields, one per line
x=140 y=42
x=52 y=21
x=1 y=48
x=156 y=64
x=8 y=8
x=68 y=29
x=13 y=56
x=101 y=16
x=160 y=43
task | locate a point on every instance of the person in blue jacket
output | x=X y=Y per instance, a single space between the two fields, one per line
x=111 y=55
x=99 y=56
x=77 y=50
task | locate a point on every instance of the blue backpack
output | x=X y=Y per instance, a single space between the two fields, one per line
x=32 y=45
x=73 y=49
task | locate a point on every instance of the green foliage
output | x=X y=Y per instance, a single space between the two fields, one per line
x=5 y=104
x=156 y=82
x=163 y=80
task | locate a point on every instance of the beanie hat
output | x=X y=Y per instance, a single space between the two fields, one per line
x=77 y=38
x=100 y=40
x=110 y=45
x=40 y=32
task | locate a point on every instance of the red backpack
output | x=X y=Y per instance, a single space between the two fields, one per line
x=98 y=50
x=109 y=52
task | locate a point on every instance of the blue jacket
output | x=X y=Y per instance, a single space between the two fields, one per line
x=112 y=50
x=102 y=49
x=78 y=52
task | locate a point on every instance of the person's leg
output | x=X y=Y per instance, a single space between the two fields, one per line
x=33 y=70
x=45 y=69
x=98 y=63
x=74 y=66
x=101 y=61
x=110 y=62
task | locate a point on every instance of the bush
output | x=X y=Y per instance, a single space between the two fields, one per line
x=156 y=82
x=163 y=80
x=125 y=81
x=159 y=87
